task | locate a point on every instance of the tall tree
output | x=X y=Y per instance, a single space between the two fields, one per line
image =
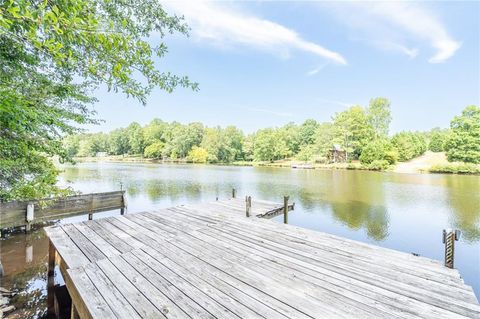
x=352 y=130
x=306 y=132
x=379 y=116
x=135 y=138
x=52 y=54
x=464 y=141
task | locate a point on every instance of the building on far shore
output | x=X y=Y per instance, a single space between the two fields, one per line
x=337 y=154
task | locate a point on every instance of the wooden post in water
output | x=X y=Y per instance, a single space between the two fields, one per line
x=248 y=205
x=124 y=204
x=285 y=209
x=51 y=279
x=449 y=238
x=29 y=216
x=234 y=193
x=90 y=214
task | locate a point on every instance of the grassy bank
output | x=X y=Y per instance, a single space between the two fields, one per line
x=428 y=163
x=287 y=163
x=455 y=168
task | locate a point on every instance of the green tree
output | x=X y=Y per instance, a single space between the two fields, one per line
x=379 y=116
x=379 y=150
x=71 y=145
x=409 y=145
x=52 y=54
x=197 y=155
x=184 y=138
x=154 y=131
x=248 y=147
x=135 y=138
x=352 y=130
x=264 y=145
x=437 y=139
x=324 y=135
x=306 y=132
x=154 y=150
x=118 y=143
x=91 y=144
x=306 y=153
x=223 y=145
x=464 y=142
x=291 y=136
x=233 y=141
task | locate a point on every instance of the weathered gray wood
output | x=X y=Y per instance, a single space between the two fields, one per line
x=209 y=261
x=113 y=296
x=195 y=239
x=80 y=286
x=139 y=301
x=13 y=214
x=207 y=299
x=66 y=248
x=157 y=278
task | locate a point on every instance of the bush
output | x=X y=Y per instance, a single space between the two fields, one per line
x=378 y=165
x=456 y=168
x=197 y=155
x=306 y=153
x=154 y=150
x=379 y=150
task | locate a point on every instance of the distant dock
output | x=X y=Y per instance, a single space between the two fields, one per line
x=210 y=261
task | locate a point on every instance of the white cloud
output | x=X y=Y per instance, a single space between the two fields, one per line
x=390 y=25
x=317 y=69
x=224 y=25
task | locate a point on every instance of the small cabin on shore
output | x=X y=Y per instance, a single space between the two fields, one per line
x=337 y=154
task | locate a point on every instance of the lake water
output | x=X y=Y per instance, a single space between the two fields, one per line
x=406 y=212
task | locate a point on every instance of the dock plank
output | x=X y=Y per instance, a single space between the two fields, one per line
x=208 y=260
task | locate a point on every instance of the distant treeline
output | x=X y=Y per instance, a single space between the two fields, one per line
x=362 y=132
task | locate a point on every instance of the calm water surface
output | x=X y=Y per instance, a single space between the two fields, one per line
x=406 y=212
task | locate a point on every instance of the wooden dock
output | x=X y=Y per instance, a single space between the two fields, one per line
x=210 y=261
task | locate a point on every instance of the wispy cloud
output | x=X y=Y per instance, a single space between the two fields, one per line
x=271 y=112
x=224 y=25
x=390 y=25
x=391 y=46
x=317 y=69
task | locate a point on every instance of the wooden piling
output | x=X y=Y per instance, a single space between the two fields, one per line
x=29 y=217
x=51 y=279
x=124 y=204
x=248 y=205
x=449 y=238
x=285 y=209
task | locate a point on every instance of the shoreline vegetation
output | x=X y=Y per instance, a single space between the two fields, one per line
x=357 y=138
x=430 y=162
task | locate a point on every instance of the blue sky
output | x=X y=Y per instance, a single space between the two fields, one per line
x=262 y=64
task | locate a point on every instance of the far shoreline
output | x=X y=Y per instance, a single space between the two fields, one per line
x=424 y=164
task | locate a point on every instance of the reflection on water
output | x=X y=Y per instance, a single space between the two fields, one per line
x=406 y=212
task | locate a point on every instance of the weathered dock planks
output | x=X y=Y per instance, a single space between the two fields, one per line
x=14 y=214
x=210 y=261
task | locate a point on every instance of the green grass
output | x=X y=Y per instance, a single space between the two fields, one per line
x=455 y=168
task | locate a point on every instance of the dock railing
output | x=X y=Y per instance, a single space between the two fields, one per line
x=27 y=213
